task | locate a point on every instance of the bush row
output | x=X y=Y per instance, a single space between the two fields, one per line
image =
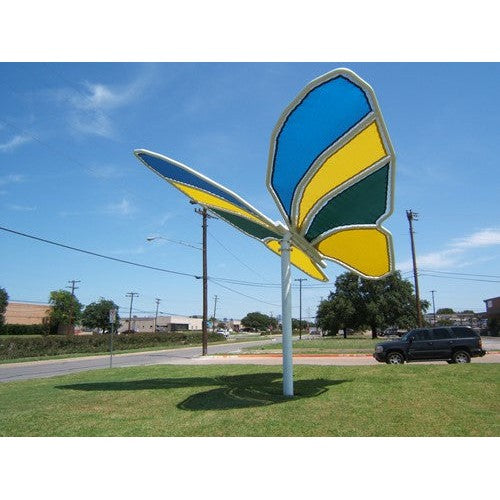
x=49 y=345
x=24 y=329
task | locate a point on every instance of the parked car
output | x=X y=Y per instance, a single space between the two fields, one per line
x=392 y=331
x=455 y=344
x=223 y=332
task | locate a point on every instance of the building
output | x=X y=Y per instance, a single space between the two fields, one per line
x=164 y=324
x=25 y=313
x=233 y=325
x=458 y=319
x=493 y=308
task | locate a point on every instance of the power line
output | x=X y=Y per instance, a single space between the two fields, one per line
x=460 y=274
x=236 y=257
x=95 y=254
x=240 y=293
x=57 y=151
x=458 y=278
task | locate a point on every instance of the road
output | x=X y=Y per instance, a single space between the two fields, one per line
x=49 y=368
x=192 y=355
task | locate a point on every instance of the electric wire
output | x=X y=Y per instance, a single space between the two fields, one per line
x=460 y=274
x=95 y=254
x=242 y=294
x=235 y=256
x=458 y=278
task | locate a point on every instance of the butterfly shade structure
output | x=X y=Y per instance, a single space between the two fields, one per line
x=331 y=173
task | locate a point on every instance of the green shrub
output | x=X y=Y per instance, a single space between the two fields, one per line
x=24 y=330
x=50 y=345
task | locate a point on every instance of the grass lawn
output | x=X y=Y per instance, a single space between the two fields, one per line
x=239 y=400
x=333 y=345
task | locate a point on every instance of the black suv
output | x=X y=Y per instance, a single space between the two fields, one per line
x=455 y=344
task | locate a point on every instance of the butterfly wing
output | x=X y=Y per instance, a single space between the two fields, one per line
x=331 y=173
x=226 y=205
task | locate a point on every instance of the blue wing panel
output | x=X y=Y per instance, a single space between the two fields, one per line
x=324 y=115
x=172 y=171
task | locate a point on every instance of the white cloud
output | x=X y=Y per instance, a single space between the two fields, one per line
x=105 y=172
x=15 y=142
x=11 y=179
x=91 y=108
x=483 y=238
x=165 y=218
x=455 y=255
x=21 y=208
x=124 y=207
x=434 y=260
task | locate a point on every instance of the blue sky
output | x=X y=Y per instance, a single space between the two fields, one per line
x=67 y=173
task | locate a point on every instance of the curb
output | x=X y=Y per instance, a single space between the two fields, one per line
x=273 y=355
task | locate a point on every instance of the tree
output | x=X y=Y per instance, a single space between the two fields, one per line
x=445 y=310
x=467 y=311
x=296 y=324
x=336 y=313
x=96 y=315
x=259 y=321
x=4 y=300
x=66 y=311
x=377 y=304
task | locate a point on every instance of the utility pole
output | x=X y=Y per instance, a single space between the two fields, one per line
x=131 y=295
x=411 y=217
x=215 y=312
x=433 y=306
x=73 y=288
x=300 y=280
x=204 y=334
x=156 y=315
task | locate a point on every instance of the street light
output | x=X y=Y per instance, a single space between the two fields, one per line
x=152 y=238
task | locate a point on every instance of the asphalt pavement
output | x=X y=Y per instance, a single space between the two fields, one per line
x=50 y=368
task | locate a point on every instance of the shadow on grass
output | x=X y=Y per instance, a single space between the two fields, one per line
x=235 y=391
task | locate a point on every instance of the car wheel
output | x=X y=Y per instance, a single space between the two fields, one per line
x=395 y=358
x=461 y=357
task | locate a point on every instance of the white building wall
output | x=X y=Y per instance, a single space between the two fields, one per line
x=164 y=323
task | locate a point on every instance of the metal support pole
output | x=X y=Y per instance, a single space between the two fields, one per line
x=286 y=313
x=204 y=333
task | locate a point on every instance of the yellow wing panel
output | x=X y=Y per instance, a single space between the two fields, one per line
x=300 y=260
x=366 y=250
x=211 y=200
x=359 y=153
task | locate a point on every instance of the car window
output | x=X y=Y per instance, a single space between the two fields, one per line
x=440 y=333
x=463 y=332
x=421 y=334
